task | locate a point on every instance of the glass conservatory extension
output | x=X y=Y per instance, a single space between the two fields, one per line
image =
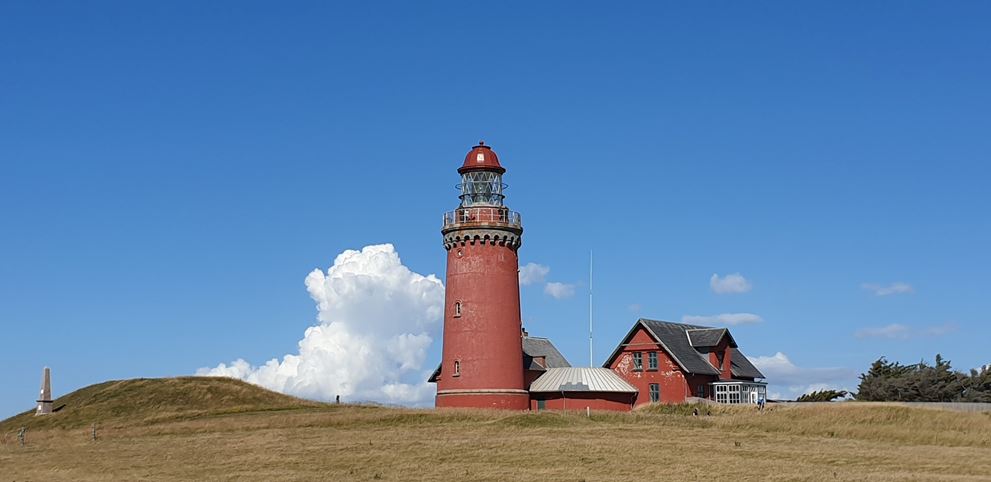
x=481 y=188
x=739 y=391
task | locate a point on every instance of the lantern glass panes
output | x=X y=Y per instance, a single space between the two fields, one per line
x=481 y=188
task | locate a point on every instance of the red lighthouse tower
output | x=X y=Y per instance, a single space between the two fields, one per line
x=482 y=364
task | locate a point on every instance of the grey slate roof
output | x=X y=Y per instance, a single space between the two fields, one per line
x=435 y=374
x=676 y=339
x=741 y=366
x=707 y=337
x=533 y=347
x=557 y=380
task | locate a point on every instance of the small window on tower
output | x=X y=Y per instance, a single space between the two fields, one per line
x=457 y=368
x=457 y=309
x=480 y=157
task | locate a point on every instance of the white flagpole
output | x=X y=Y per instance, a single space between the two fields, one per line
x=591 y=359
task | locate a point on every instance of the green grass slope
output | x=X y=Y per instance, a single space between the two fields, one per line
x=152 y=400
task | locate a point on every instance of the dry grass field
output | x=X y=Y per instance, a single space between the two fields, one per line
x=218 y=429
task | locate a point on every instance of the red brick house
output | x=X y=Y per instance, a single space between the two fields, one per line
x=672 y=362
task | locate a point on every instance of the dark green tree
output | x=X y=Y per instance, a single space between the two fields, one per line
x=823 y=396
x=888 y=381
x=882 y=381
x=977 y=386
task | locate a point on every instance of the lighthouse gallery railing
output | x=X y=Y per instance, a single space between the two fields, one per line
x=482 y=216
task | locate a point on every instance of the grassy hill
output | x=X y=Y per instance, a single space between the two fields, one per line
x=220 y=429
x=154 y=400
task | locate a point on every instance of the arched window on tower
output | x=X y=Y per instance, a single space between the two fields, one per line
x=457 y=368
x=457 y=309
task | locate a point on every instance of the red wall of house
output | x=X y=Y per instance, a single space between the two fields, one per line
x=727 y=368
x=694 y=381
x=506 y=401
x=621 y=402
x=673 y=384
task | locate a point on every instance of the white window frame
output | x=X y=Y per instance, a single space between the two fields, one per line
x=743 y=392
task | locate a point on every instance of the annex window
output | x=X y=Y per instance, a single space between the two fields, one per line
x=722 y=393
x=457 y=368
x=457 y=309
x=652 y=360
x=655 y=393
x=727 y=393
x=700 y=391
x=637 y=361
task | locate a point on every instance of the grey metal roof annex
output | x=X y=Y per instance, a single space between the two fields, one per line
x=580 y=379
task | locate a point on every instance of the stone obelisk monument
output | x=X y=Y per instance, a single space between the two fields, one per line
x=45 y=397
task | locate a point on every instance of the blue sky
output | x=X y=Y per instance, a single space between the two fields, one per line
x=170 y=172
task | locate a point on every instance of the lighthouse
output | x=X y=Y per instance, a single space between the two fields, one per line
x=482 y=361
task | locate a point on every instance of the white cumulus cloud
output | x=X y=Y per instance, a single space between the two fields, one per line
x=375 y=319
x=731 y=283
x=887 y=290
x=894 y=330
x=897 y=331
x=559 y=290
x=726 y=319
x=787 y=380
x=532 y=273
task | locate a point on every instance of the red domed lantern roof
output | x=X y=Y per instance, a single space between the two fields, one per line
x=481 y=158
